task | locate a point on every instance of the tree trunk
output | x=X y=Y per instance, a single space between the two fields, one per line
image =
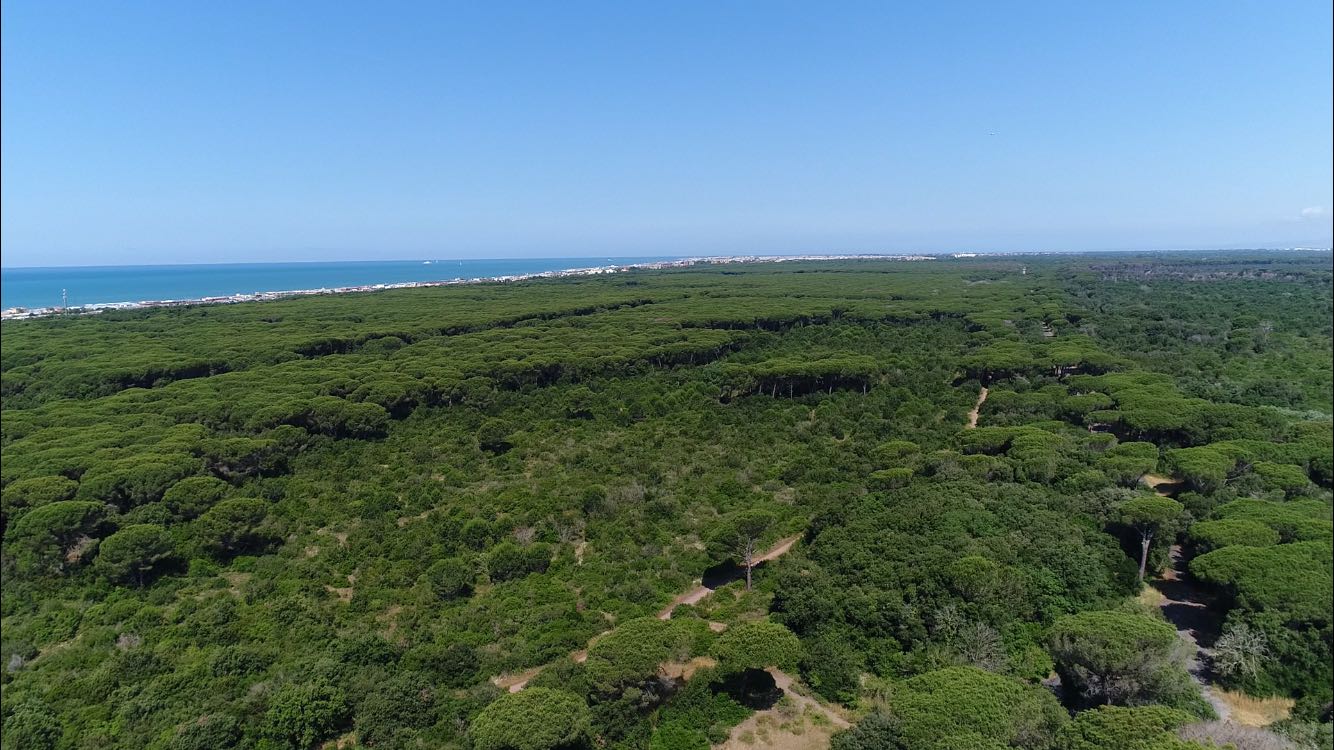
x=748 y=559
x=1145 y=539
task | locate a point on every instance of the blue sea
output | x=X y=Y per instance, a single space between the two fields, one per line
x=86 y=285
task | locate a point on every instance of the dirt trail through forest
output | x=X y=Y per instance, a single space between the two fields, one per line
x=516 y=681
x=1162 y=486
x=766 y=728
x=694 y=595
x=1186 y=606
x=977 y=409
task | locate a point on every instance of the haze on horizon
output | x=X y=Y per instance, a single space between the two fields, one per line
x=206 y=133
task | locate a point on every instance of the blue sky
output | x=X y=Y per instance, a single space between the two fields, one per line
x=238 y=131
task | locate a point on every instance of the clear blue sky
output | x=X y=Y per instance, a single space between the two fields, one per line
x=239 y=131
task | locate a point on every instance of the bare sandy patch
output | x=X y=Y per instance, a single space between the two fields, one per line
x=977 y=408
x=796 y=722
x=684 y=670
x=513 y=682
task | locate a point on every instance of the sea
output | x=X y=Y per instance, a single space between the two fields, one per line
x=88 y=285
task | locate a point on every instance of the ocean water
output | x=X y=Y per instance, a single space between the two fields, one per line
x=86 y=285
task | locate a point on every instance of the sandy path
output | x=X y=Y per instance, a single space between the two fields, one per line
x=977 y=409
x=1163 y=486
x=694 y=595
x=768 y=721
x=784 y=681
x=516 y=681
x=1187 y=607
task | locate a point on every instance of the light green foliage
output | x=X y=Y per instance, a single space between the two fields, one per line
x=897 y=450
x=1155 y=519
x=1204 y=468
x=630 y=653
x=1211 y=535
x=1294 y=521
x=757 y=645
x=1126 y=463
x=964 y=702
x=890 y=479
x=34 y=492
x=1286 y=477
x=1120 y=658
x=1155 y=513
x=1120 y=728
x=532 y=719
x=1295 y=581
x=676 y=736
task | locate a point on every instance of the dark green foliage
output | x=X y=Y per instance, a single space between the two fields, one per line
x=233 y=526
x=194 y=495
x=451 y=578
x=876 y=732
x=51 y=538
x=454 y=665
x=508 y=560
x=299 y=716
x=399 y=705
x=738 y=535
x=31 y=726
x=833 y=666
x=135 y=553
x=708 y=712
x=206 y=733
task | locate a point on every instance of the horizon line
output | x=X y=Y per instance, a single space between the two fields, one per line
x=825 y=253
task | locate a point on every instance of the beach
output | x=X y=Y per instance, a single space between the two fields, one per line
x=23 y=313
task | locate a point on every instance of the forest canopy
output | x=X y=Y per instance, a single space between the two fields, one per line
x=885 y=503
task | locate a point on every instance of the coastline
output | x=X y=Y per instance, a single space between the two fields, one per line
x=20 y=313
